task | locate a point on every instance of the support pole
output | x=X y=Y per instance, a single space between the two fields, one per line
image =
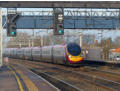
x=33 y=38
x=53 y=39
x=32 y=43
x=80 y=39
x=0 y=37
x=20 y=45
x=41 y=40
x=50 y=36
x=29 y=44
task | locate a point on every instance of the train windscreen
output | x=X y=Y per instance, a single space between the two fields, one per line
x=74 y=49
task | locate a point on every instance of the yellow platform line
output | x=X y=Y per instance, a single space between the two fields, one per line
x=30 y=85
x=17 y=78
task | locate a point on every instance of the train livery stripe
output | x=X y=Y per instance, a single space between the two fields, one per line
x=17 y=78
x=30 y=85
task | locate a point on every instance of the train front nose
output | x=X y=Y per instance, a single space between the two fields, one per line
x=74 y=53
x=75 y=59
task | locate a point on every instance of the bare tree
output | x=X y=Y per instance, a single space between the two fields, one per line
x=22 y=39
x=117 y=41
x=88 y=40
x=37 y=41
x=107 y=44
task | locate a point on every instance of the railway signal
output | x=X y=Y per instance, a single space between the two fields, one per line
x=60 y=29
x=11 y=30
x=11 y=24
x=58 y=21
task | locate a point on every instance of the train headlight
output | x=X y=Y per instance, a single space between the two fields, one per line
x=69 y=56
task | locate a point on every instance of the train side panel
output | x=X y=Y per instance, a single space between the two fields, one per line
x=59 y=54
x=12 y=52
x=46 y=54
x=36 y=53
x=8 y=52
x=28 y=53
x=4 y=52
x=94 y=54
x=20 y=53
x=10 y=55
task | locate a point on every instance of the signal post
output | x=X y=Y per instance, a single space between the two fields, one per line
x=58 y=25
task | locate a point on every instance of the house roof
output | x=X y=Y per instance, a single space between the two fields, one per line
x=117 y=50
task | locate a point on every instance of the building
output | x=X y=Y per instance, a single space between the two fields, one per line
x=114 y=53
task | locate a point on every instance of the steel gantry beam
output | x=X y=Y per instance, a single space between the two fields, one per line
x=73 y=19
x=58 y=4
x=75 y=12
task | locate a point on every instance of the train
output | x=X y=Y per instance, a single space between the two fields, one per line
x=66 y=54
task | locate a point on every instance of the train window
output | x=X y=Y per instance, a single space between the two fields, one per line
x=74 y=49
x=46 y=52
x=57 y=52
x=36 y=52
x=27 y=51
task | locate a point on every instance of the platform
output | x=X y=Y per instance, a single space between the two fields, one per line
x=18 y=78
x=7 y=80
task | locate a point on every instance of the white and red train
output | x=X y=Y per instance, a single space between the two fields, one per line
x=69 y=54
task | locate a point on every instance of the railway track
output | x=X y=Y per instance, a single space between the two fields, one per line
x=105 y=70
x=75 y=76
x=62 y=85
x=99 y=81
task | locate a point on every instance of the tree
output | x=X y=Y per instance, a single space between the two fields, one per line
x=37 y=41
x=22 y=39
x=58 y=39
x=117 y=41
x=106 y=45
x=88 y=40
